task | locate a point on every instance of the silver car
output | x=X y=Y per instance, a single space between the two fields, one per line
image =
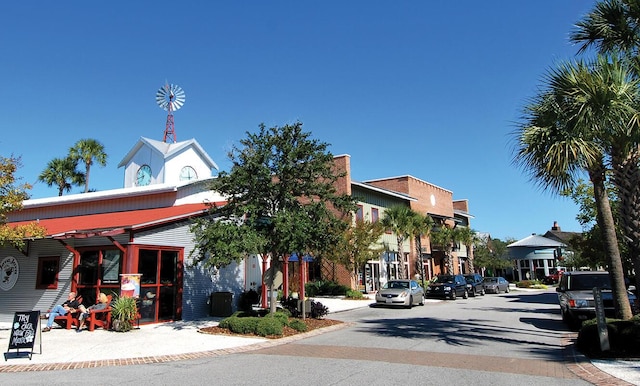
x=495 y=285
x=399 y=292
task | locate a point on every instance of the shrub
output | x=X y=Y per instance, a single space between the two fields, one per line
x=624 y=339
x=298 y=325
x=353 y=294
x=326 y=288
x=318 y=310
x=268 y=326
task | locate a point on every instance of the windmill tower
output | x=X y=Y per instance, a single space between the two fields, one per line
x=170 y=97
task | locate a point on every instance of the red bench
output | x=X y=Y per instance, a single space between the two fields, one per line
x=99 y=318
x=70 y=319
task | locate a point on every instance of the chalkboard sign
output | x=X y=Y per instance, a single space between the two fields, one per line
x=25 y=331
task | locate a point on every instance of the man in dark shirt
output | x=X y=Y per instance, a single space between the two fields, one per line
x=60 y=310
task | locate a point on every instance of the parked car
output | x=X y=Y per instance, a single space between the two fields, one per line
x=405 y=293
x=475 y=284
x=554 y=277
x=448 y=287
x=575 y=296
x=496 y=284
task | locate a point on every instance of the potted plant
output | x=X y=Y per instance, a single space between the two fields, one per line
x=123 y=312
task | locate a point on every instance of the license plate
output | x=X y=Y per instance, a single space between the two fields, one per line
x=388 y=300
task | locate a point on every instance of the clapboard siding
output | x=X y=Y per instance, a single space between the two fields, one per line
x=24 y=296
x=198 y=282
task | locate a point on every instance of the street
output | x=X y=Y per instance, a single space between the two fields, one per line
x=504 y=339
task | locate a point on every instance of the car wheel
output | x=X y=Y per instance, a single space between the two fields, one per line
x=410 y=302
x=465 y=295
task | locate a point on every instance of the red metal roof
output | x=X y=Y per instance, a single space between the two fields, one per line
x=106 y=224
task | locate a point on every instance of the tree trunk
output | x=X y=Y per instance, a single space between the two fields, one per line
x=401 y=267
x=605 y=219
x=627 y=180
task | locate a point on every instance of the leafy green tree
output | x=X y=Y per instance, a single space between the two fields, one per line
x=468 y=238
x=88 y=151
x=399 y=220
x=358 y=244
x=567 y=131
x=281 y=199
x=492 y=255
x=62 y=173
x=12 y=194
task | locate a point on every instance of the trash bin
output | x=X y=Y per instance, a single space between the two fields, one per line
x=221 y=304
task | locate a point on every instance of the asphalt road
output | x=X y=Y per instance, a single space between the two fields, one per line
x=506 y=339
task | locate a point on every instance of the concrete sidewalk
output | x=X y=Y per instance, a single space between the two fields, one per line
x=153 y=340
x=163 y=342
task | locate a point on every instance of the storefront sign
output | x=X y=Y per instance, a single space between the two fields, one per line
x=130 y=285
x=9 y=273
x=25 y=333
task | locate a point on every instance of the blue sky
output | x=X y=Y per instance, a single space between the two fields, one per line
x=427 y=88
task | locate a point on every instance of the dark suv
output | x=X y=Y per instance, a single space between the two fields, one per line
x=575 y=295
x=448 y=287
x=475 y=284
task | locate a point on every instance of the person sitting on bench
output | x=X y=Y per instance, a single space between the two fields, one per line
x=84 y=312
x=69 y=305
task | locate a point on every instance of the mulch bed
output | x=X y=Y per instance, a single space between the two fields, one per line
x=312 y=324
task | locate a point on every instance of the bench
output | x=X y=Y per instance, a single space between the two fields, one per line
x=99 y=318
x=70 y=319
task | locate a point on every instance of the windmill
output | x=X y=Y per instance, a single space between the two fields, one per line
x=170 y=97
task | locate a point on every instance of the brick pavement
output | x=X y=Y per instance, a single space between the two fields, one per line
x=575 y=365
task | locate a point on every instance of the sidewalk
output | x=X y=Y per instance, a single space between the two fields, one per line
x=163 y=342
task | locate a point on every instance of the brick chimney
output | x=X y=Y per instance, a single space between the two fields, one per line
x=555 y=227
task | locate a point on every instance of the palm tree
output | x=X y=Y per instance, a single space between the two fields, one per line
x=446 y=237
x=62 y=173
x=89 y=151
x=567 y=131
x=420 y=227
x=467 y=236
x=613 y=29
x=398 y=219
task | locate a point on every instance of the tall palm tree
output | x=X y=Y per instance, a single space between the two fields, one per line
x=89 y=151
x=446 y=237
x=567 y=131
x=62 y=173
x=467 y=236
x=398 y=219
x=613 y=28
x=420 y=227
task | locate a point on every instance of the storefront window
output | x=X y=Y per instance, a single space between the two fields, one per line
x=148 y=266
x=168 y=267
x=88 y=268
x=110 y=267
x=48 y=268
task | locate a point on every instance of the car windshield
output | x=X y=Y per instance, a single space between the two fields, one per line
x=397 y=284
x=443 y=279
x=587 y=282
x=491 y=280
